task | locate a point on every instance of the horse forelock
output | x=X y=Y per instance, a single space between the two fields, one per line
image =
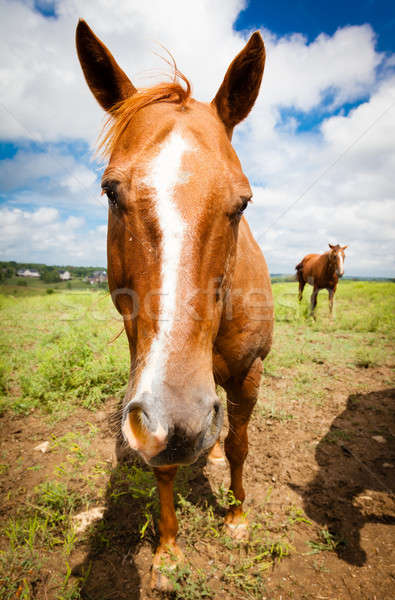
x=122 y=113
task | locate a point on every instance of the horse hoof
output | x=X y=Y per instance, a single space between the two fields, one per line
x=160 y=582
x=237 y=531
x=167 y=558
x=216 y=460
x=216 y=456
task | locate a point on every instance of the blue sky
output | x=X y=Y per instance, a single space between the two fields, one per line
x=312 y=17
x=318 y=147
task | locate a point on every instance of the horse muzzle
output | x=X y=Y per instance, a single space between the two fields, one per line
x=163 y=441
x=182 y=450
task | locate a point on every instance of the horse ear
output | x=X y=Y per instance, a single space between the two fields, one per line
x=106 y=80
x=241 y=84
x=344 y=247
x=331 y=246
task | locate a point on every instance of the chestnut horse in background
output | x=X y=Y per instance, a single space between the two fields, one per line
x=184 y=270
x=322 y=271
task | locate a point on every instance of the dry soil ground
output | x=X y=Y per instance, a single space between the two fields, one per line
x=320 y=482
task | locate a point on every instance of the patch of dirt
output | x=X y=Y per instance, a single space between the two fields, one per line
x=19 y=436
x=328 y=462
x=333 y=460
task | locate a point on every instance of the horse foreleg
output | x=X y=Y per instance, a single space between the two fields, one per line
x=314 y=301
x=242 y=397
x=168 y=554
x=331 y=296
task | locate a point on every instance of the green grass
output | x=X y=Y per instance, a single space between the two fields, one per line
x=358 y=306
x=240 y=566
x=360 y=334
x=310 y=356
x=56 y=358
x=189 y=583
x=55 y=353
x=34 y=533
x=17 y=286
x=326 y=542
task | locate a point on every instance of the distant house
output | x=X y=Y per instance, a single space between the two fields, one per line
x=28 y=273
x=65 y=275
x=97 y=277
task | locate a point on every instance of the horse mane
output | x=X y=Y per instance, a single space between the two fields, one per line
x=123 y=112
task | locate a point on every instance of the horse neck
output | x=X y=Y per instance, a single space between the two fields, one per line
x=330 y=267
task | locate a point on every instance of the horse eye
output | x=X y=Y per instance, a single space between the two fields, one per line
x=243 y=205
x=112 y=197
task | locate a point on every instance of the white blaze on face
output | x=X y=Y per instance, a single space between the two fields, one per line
x=341 y=265
x=163 y=175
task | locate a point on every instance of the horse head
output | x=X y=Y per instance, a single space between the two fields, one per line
x=337 y=257
x=176 y=193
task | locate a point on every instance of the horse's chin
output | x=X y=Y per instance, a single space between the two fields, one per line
x=161 y=460
x=166 y=457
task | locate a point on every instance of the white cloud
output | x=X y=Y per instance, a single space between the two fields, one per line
x=51 y=177
x=43 y=216
x=46 y=99
x=299 y=74
x=43 y=236
x=44 y=87
x=352 y=161
x=28 y=166
x=44 y=93
x=79 y=179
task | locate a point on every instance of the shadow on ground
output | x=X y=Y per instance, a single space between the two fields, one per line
x=355 y=484
x=109 y=569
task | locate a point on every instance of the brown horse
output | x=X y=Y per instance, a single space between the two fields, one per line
x=184 y=270
x=322 y=271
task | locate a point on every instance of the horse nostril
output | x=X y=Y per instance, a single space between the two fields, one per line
x=217 y=413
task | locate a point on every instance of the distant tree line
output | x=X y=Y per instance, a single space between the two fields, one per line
x=49 y=274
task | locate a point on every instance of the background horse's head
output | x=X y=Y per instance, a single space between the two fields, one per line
x=337 y=257
x=176 y=194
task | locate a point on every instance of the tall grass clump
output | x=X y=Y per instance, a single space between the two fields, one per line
x=74 y=368
x=58 y=353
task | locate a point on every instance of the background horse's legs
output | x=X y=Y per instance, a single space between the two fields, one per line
x=331 y=295
x=331 y=298
x=302 y=283
x=167 y=552
x=242 y=396
x=314 y=300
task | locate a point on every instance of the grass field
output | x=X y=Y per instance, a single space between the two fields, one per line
x=19 y=286
x=325 y=401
